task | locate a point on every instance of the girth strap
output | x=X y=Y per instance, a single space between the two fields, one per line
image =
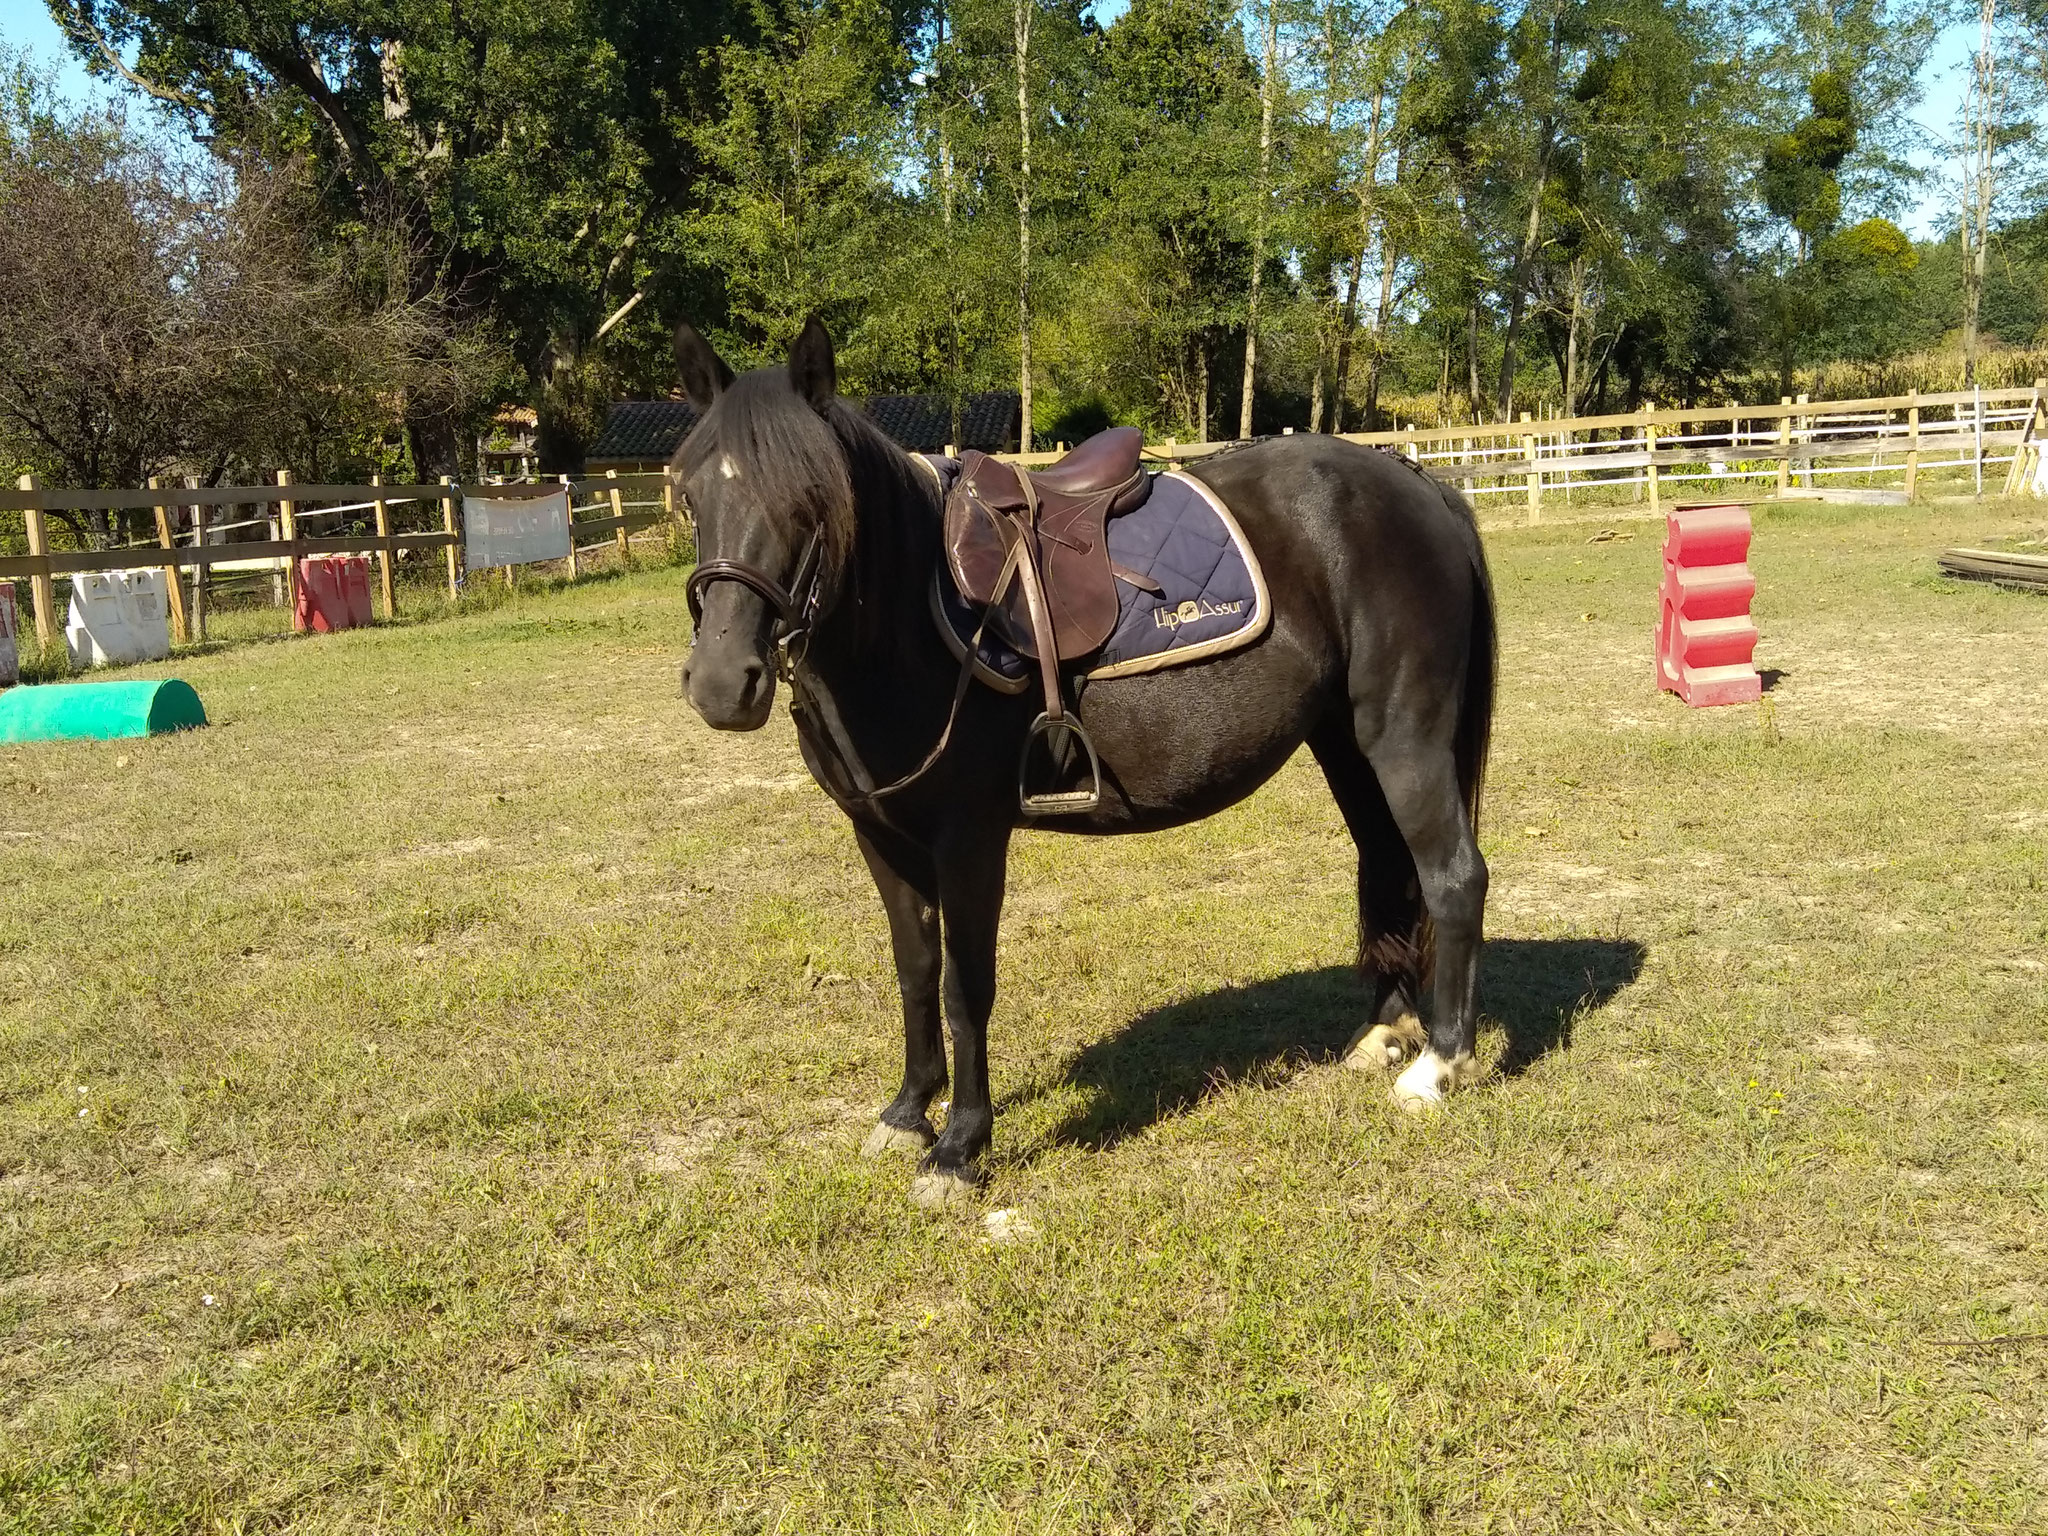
x=1035 y=603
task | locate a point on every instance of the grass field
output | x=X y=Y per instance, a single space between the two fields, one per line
x=429 y=1101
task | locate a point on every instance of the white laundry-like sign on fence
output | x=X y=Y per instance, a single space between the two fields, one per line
x=514 y=530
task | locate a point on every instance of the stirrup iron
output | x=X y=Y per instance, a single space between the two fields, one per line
x=1065 y=802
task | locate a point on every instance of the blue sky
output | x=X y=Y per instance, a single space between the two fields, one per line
x=27 y=24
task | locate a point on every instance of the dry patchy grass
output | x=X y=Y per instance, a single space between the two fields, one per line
x=428 y=1101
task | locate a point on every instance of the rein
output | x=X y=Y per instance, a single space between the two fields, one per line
x=796 y=615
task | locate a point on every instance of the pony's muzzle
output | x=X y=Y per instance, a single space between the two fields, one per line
x=735 y=696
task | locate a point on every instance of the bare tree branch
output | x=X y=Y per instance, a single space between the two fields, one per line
x=83 y=31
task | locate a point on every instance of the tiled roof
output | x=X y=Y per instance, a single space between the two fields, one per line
x=924 y=423
x=650 y=431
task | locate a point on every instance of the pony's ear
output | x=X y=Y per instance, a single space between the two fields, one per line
x=703 y=371
x=812 y=373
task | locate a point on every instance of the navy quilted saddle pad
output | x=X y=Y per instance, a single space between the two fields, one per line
x=1213 y=596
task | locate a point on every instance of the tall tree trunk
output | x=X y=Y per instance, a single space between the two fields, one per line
x=1472 y=354
x=1021 y=19
x=1251 y=322
x=1347 y=323
x=1382 y=317
x=1367 y=201
x=1518 y=283
x=1571 y=341
x=954 y=382
x=1202 y=384
x=953 y=301
x=1532 y=233
x=1981 y=125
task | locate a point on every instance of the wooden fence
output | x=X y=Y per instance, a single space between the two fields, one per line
x=623 y=504
x=1732 y=447
x=1764 y=447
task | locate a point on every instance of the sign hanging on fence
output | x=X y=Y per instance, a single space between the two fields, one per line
x=514 y=530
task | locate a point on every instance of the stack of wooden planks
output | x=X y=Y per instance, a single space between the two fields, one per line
x=2006 y=567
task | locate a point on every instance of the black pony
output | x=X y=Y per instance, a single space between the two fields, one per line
x=818 y=539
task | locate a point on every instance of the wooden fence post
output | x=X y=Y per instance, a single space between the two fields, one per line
x=1535 y=475
x=1912 y=442
x=288 y=528
x=386 y=556
x=174 y=589
x=1650 y=447
x=618 y=511
x=45 y=589
x=448 y=527
x=1977 y=454
x=674 y=509
x=202 y=574
x=1784 y=445
x=1806 y=437
x=569 y=497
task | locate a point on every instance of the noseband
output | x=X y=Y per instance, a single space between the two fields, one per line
x=796 y=606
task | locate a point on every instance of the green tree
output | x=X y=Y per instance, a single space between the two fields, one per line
x=540 y=158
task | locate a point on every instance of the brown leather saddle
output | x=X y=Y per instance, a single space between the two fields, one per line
x=1030 y=549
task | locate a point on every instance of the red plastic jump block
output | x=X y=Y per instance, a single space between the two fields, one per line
x=334 y=593
x=1706 y=640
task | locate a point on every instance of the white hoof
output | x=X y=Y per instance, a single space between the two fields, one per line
x=1427 y=1079
x=1382 y=1047
x=941 y=1191
x=885 y=1139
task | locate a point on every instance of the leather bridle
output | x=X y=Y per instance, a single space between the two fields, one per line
x=796 y=606
x=796 y=615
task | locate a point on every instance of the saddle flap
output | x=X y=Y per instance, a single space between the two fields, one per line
x=980 y=511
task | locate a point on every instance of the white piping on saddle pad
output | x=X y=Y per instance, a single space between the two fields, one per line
x=1236 y=638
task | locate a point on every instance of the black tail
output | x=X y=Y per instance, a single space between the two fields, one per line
x=1475 y=717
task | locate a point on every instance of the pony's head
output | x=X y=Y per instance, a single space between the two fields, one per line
x=765 y=476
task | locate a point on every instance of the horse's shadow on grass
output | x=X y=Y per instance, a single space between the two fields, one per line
x=1167 y=1061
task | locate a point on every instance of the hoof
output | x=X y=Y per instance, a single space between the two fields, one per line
x=885 y=1139
x=941 y=1191
x=1427 y=1079
x=1382 y=1047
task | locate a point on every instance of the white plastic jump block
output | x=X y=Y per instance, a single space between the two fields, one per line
x=118 y=618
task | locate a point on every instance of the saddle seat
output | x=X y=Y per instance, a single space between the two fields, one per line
x=1030 y=546
x=1105 y=462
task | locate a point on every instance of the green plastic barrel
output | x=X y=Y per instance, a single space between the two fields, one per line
x=98 y=711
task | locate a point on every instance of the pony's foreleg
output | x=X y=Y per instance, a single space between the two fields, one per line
x=908 y=883
x=1422 y=792
x=971 y=871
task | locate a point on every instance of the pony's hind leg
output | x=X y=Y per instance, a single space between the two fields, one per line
x=1392 y=923
x=1422 y=793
